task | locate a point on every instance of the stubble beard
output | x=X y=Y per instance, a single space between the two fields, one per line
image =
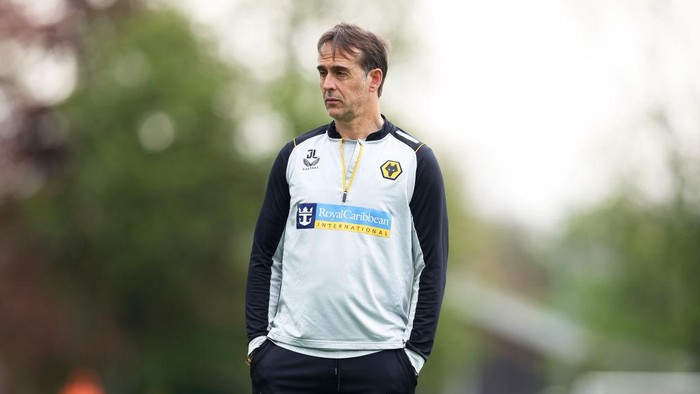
x=339 y=113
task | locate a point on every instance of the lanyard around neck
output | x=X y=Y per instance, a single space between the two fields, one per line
x=347 y=185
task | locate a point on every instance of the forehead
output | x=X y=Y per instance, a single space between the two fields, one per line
x=340 y=57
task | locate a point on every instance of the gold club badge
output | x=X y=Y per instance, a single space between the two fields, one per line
x=391 y=169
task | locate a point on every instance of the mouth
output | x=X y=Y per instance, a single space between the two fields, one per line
x=331 y=100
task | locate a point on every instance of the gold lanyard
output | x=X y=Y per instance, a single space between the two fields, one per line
x=346 y=188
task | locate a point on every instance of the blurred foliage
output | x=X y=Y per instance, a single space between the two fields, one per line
x=147 y=225
x=627 y=268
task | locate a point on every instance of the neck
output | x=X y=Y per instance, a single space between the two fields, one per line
x=360 y=127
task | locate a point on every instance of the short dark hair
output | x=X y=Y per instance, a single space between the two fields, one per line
x=349 y=38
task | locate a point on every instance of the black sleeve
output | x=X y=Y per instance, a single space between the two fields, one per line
x=429 y=210
x=268 y=232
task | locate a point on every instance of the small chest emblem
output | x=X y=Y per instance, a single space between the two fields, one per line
x=311 y=160
x=391 y=169
x=306 y=215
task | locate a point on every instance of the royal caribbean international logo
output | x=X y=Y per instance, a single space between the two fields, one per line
x=305 y=215
x=344 y=218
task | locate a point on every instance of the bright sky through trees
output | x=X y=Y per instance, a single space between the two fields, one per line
x=541 y=104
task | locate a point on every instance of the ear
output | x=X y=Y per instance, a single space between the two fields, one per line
x=375 y=79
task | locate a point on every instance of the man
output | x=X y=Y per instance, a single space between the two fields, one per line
x=347 y=269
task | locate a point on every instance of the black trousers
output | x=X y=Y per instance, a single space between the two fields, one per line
x=280 y=371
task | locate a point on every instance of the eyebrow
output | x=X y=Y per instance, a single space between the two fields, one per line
x=333 y=68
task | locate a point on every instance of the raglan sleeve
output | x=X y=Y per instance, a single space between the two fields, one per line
x=266 y=237
x=429 y=209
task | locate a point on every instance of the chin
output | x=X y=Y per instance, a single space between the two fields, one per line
x=334 y=113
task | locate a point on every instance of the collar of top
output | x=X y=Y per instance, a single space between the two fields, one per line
x=376 y=136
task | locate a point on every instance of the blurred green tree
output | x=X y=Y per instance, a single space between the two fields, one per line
x=628 y=266
x=147 y=223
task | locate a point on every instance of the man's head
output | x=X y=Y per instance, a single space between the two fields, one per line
x=351 y=40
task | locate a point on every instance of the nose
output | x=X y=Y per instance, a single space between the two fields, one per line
x=328 y=83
